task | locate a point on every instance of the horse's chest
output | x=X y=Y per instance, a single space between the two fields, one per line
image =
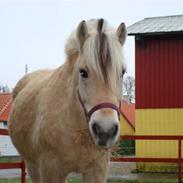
x=82 y=158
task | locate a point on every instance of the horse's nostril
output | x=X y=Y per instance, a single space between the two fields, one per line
x=114 y=130
x=104 y=133
x=96 y=128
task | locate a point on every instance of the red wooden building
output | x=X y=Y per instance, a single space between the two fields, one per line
x=159 y=83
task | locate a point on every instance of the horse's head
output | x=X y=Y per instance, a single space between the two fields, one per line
x=99 y=69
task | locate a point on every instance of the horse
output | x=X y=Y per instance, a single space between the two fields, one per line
x=67 y=119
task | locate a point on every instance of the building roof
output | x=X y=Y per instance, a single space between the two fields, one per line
x=5 y=106
x=157 y=25
x=128 y=112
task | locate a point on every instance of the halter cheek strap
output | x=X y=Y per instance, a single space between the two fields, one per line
x=98 y=107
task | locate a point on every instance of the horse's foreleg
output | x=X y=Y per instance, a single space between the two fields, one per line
x=95 y=175
x=94 y=178
x=50 y=171
x=63 y=180
x=33 y=171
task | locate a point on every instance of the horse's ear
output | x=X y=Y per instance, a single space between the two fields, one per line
x=122 y=33
x=82 y=33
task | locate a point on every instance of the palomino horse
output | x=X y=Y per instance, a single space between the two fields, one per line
x=66 y=120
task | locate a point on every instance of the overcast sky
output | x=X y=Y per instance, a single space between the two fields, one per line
x=34 y=32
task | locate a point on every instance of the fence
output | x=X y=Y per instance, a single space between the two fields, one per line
x=177 y=160
x=13 y=165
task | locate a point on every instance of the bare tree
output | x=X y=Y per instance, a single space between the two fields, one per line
x=4 y=89
x=129 y=88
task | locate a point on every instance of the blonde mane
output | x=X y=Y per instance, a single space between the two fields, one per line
x=102 y=51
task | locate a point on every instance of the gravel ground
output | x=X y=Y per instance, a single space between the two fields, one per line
x=117 y=171
x=123 y=170
x=10 y=173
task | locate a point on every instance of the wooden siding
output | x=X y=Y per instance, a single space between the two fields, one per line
x=125 y=127
x=159 y=72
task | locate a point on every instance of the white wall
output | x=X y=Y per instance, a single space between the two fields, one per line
x=6 y=146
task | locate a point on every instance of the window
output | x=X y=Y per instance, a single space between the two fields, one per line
x=5 y=124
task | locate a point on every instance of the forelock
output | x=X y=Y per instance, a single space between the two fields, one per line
x=102 y=51
x=103 y=54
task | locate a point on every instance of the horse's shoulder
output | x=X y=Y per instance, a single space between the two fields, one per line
x=31 y=78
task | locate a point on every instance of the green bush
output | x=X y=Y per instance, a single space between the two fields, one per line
x=126 y=147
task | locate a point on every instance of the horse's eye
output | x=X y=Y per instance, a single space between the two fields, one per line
x=123 y=72
x=83 y=73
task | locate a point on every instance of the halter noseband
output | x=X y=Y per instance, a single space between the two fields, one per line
x=98 y=107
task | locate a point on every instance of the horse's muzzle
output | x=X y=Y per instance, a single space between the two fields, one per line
x=102 y=136
x=104 y=130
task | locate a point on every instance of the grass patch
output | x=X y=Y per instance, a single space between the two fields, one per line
x=10 y=159
x=29 y=181
x=13 y=181
x=143 y=181
x=75 y=181
x=79 y=181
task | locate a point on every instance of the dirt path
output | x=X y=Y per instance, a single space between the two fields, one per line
x=117 y=171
